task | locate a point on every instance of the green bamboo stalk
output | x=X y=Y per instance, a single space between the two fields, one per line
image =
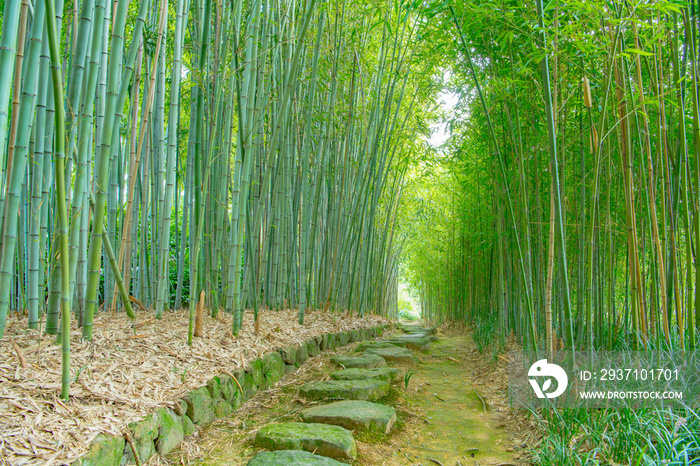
x=59 y=174
x=528 y=298
x=36 y=220
x=173 y=127
x=19 y=162
x=8 y=51
x=102 y=168
x=79 y=204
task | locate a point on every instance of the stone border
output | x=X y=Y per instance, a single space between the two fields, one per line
x=162 y=431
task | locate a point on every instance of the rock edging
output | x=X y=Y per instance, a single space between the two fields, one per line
x=162 y=431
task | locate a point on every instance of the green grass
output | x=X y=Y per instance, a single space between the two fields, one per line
x=626 y=436
x=391 y=398
x=642 y=437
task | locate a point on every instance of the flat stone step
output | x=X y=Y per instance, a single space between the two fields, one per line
x=365 y=345
x=369 y=389
x=387 y=374
x=395 y=354
x=416 y=328
x=422 y=335
x=353 y=415
x=410 y=341
x=421 y=343
x=291 y=458
x=321 y=439
x=367 y=361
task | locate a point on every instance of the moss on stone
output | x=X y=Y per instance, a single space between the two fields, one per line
x=302 y=354
x=199 y=406
x=387 y=374
x=144 y=434
x=393 y=354
x=312 y=347
x=291 y=458
x=345 y=389
x=353 y=415
x=420 y=343
x=105 y=450
x=170 y=431
x=289 y=354
x=188 y=427
x=221 y=408
x=365 y=345
x=249 y=386
x=214 y=387
x=366 y=361
x=273 y=368
x=325 y=440
x=255 y=368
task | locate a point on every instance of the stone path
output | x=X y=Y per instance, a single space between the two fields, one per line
x=364 y=377
x=422 y=409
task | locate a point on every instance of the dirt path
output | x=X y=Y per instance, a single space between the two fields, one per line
x=459 y=423
x=453 y=412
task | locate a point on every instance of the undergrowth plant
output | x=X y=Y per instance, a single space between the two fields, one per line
x=646 y=436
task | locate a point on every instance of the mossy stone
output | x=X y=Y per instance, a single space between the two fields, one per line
x=181 y=408
x=188 y=427
x=369 y=389
x=312 y=347
x=255 y=368
x=222 y=408
x=415 y=328
x=365 y=345
x=366 y=361
x=289 y=354
x=227 y=387
x=273 y=368
x=393 y=354
x=170 y=431
x=388 y=374
x=214 y=387
x=328 y=342
x=239 y=375
x=144 y=434
x=411 y=341
x=322 y=439
x=354 y=415
x=291 y=458
x=105 y=450
x=362 y=334
x=302 y=355
x=249 y=386
x=237 y=401
x=199 y=408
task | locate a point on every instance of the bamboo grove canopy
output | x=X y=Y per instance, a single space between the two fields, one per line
x=248 y=151
x=564 y=207
x=270 y=154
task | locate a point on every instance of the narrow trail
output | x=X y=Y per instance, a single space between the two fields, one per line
x=452 y=411
x=462 y=421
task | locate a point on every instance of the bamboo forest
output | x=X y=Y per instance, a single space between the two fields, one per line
x=226 y=188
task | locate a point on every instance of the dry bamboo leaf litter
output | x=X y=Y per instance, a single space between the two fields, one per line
x=128 y=370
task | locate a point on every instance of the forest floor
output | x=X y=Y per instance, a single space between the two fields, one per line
x=128 y=370
x=454 y=411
